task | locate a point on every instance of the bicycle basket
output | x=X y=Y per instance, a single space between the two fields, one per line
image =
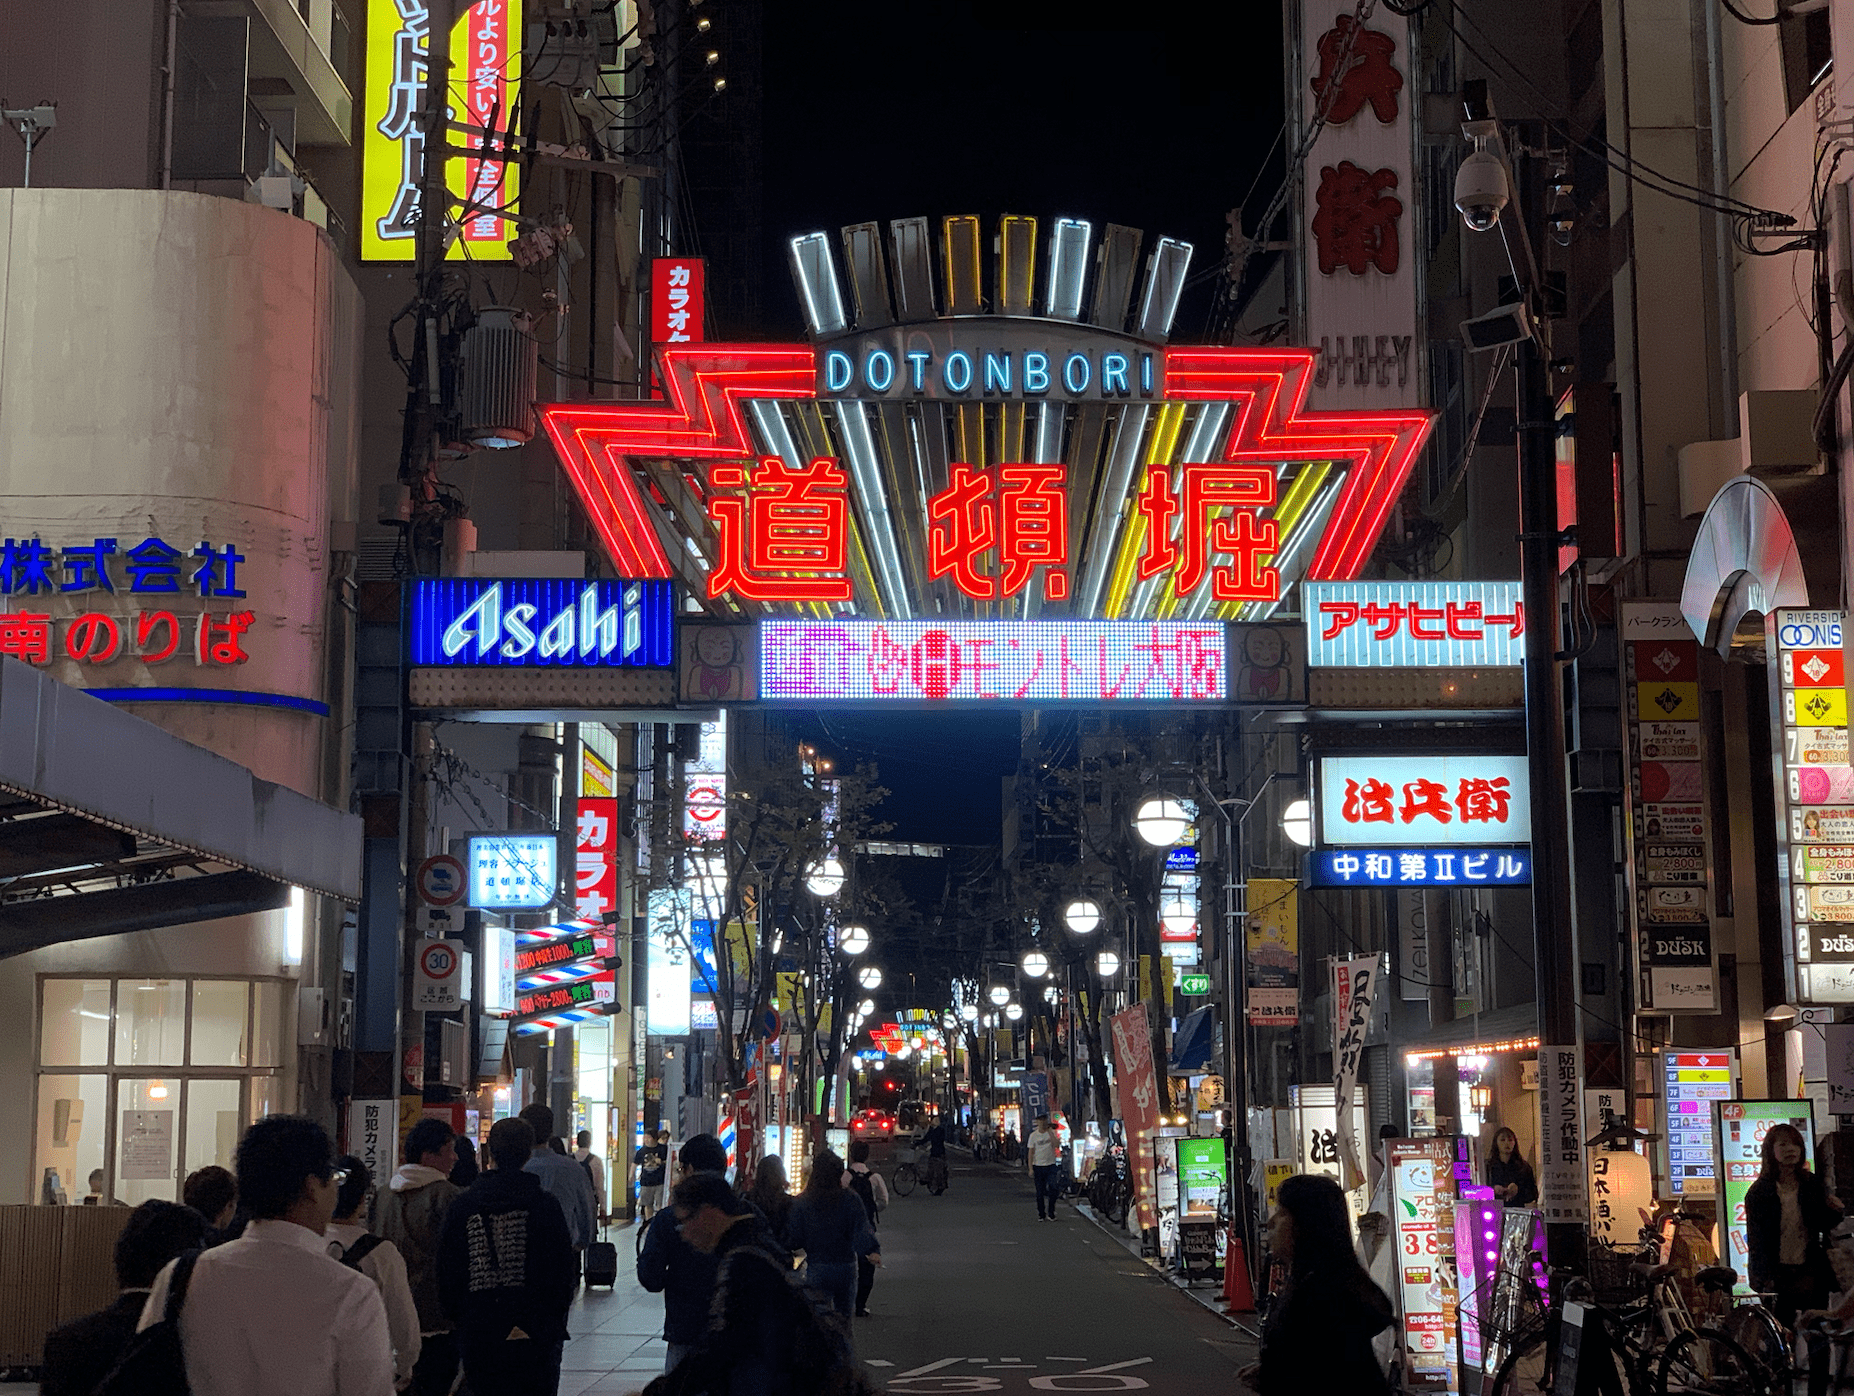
x=906 y=1155
x=1614 y=1277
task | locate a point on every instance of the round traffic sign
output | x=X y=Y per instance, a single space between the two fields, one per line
x=439 y=960
x=441 y=880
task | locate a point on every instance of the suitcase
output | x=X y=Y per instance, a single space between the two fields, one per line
x=601 y=1264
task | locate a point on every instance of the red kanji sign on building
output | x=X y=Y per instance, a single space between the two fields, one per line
x=787 y=538
x=678 y=299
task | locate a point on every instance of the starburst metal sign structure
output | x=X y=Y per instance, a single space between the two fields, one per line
x=938 y=455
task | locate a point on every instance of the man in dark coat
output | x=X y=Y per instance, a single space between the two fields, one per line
x=670 y=1266
x=507 y=1272
x=81 y=1354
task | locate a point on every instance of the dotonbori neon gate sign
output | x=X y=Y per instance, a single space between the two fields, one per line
x=1059 y=460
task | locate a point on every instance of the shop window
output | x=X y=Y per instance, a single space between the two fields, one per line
x=151 y=1022
x=266 y=1023
x=221 y=1015
x=213 y=1124
x=265 y=1097
x=74 y=1023
x=147 y=1113
x=68 y=1143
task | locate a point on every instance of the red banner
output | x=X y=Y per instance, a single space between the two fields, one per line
x=596 y=866
x=1137 y=1085
x=678 y=296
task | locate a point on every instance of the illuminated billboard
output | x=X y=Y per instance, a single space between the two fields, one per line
x=540 y=623
x=486 y=78
x=992 y=661
x=1461 y=866
x=1413 y=801
x=1412 y=625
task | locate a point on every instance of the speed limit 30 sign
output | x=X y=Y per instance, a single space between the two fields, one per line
x=440 y=980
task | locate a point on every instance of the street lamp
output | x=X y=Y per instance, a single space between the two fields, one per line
x=1000 y=995
x=1013 y=1011
x=1297 y=822
x=854 y=941
x=870 y=977
x=1161 y=823
x=1083 y=917
x=825 y=879
x=1107 y=964
x=865 y=1008
x=1178 y=917
x=1051 y=994
x=1036 y=964
x=969 y=1011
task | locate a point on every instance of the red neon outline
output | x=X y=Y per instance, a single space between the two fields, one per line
x=701 y=420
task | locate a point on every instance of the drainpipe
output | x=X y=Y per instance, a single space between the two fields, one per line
x=167 y=95
x=1722 y=270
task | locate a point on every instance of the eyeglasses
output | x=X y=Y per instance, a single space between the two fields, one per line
x=338 y=1177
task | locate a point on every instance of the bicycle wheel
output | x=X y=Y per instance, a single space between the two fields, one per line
x=904 y=1179
x=1116 y=1200
x=1754 y=1328
x=1705 y=1361
x=1527 y=1370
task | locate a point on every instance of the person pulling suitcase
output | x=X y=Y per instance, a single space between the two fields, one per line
x=601 y=1262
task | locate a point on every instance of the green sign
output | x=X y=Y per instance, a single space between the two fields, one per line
x=1194 y=983
x=1201 y=1172
x=1739 y=1127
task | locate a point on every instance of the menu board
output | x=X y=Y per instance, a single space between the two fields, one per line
x=1423 y=1203
x=1740 y=1127
x=1815 y=803
x=1691 y=1082
x=1201 y=1174
x=1669 y=856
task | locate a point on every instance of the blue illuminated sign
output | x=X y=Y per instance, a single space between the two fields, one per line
x=542 y=623
x=1420 y=867
x=1414 y=625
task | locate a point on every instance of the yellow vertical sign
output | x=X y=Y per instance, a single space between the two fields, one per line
x=485 y=88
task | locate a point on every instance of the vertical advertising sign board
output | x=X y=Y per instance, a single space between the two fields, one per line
x=1137 y=1086
x=1355 y=987
x=1423 y=1200
x=1272 y=939
x=1815 y=803
x=595 y=878
x=1691 y=1082
x=1562 y=1189
x=1739 y=1127
x=1358 y=214
x=678 y=297
x=1670 y=861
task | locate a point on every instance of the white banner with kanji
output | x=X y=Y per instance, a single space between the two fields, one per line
x=1355 y=986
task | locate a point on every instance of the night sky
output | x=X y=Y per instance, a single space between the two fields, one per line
x=1158 y=116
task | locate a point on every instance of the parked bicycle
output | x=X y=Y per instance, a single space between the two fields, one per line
x=1110 y=1186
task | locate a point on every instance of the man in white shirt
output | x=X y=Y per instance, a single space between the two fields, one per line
x=595 y=1170
x=1045 y=1165
x=271 y=1312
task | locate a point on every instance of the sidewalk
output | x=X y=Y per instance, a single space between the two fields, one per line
x=1208 y=1299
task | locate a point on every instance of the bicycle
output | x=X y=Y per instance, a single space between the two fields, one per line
x=936 y=1175
x=1110 y=1187
x=906 y=1174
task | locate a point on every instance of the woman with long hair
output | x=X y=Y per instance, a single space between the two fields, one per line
x=1788 y=1213
x=771 y=1193
x=1317 y=1340
x=1508 y=1173
x=829 y=1225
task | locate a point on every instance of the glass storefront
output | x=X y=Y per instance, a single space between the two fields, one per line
x=141 y=1081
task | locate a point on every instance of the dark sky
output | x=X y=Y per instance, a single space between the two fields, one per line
x=1158 y=116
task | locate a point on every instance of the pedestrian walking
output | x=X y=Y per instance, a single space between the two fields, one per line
x=351 y=1243
x=1508 y=1173
x=1788 y=1213
x=867 y=1185
x=670 y=1266
x=213 y=1193
x=82 y=1352
x=271 y=1312
x=829 y=1225
x=935 y=1140
x=467 y=1168
x=410 y=1213
x=1046 y=1168
x=771 y=1192
x=1317 y=1339
x=652 y=1162
x=563 y=1180
x=506 y=1272
x=594 y=1167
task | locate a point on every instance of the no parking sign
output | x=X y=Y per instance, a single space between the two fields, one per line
x=439 y=987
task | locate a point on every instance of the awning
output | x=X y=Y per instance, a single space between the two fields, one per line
x=1191 y=1046
x=109 y=824
x=1763 y=543
x=1504 y=1029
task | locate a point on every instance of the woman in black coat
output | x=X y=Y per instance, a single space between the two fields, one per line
x=1788 y=1213
x=1508 y=1173
x=1317 y=1340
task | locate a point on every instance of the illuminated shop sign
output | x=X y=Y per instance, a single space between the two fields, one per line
x=996 y=661
x=678 y=296
x=1419 y=867
x=1411 y=625
x=1236 y=493
x=1694 y=1080
x=595 y=857
x=485 y=89
x=511 y=872
x=580 y=993
x=541 y=623
x=1423 y=800
x=567 y=950
x=1739 y=1128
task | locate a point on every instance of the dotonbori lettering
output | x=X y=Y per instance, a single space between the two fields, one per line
x=1093 y=374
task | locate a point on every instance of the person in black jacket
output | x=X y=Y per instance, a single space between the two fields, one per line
x=507 y=1272
x=1508 y=1173
x=81 y=1354
x=1788 y=1212
x=744 y=1347
x=1317 y=1340
x=670 y=1266
x=829 y=1225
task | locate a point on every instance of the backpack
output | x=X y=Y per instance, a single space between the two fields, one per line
x=153 y=1363
x=863 y=1188
x=360 y=1250
x=585 y=1165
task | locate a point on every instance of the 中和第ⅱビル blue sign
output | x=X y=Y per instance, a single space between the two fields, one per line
x=1420 y=867
x=541 y=623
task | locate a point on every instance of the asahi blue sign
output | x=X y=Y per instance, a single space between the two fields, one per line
x=541 y=623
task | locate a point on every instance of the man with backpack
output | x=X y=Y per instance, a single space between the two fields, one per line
x=379 y=1260
x=868 y=1185
x=563 y=1180
x=594 y=1167
x=410 y=1214
x=270 y=1311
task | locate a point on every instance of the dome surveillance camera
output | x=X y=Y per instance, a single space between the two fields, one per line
x=1480 y=190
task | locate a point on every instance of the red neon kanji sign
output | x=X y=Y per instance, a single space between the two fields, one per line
x=1024 y=516
x=1244 y=535
x=788 y=521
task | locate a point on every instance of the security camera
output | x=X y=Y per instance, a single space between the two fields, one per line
x=1480 y=190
